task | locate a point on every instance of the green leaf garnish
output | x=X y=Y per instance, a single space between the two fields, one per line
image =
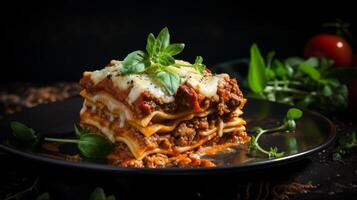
x=22 y=132
x=345 y=145
x=174 y=49
x=311 y=71
x=256 y=72
x=198 y=66
x=99 y=194
x=306 y=83
x=294 y=113
x=44 y=196
x=89 y=144
x=158 y=56
x=94 y=146
x=289 y=124
x=135 y=62
x=168 y=79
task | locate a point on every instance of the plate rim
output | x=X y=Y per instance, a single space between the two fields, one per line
x=181 y=171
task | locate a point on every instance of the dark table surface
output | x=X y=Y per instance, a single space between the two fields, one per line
x=318 y=177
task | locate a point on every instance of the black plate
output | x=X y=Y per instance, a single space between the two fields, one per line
x=314 y=133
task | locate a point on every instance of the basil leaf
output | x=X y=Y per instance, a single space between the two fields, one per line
x=280 y=69
x=94 y=146
x=22 y=132
x=327 y=91
x=294 y=113
x=309 y=70
x=44 y=196
x=150 y=44
x=198 y=66
x=313 y=62
x=174 y=49
x=256 y=72
x=293 y=61
x=162 y=40
x=97 y=194
x=169 y=80
x=269 y=73
x=111 y=197
x=134 y=62
x=165 y=59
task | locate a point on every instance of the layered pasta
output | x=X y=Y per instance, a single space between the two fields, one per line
x=152 y=128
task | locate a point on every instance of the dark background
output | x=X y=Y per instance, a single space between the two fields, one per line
x=58 y=40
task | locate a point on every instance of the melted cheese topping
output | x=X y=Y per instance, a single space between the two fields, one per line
x=204 y=84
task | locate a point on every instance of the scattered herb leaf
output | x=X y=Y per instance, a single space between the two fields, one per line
x=306 y=83
x=94 y=146
x=345 y=145
x=44 y=196
x=256 y=72
x=89 y=144
x=289 y=124
x=99 y=194
x=22 y=132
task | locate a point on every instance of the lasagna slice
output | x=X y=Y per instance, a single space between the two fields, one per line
x=151 y=128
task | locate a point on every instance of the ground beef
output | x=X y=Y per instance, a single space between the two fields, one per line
x=151 y=142
x=157 y=160
x=184 y=135
x=230 y=96
x=165 y=143
x=200 y=123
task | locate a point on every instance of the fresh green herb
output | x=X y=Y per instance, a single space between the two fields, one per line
x=170 y=80
x=135 y=62
x=155 y=61
x=288 y=125
x=257 y=71
x=198 y=66
x=345 y=145
x=295 y=81
x=22 y=132
x=99 y=194
x=90 y=145
x=44 y=196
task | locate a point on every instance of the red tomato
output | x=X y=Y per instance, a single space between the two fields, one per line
x=330 y=46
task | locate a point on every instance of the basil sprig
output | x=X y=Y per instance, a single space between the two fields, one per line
x=295 y=81
x=288 y=125
x=155 y=61
x=89 y=144
x=99 y=194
